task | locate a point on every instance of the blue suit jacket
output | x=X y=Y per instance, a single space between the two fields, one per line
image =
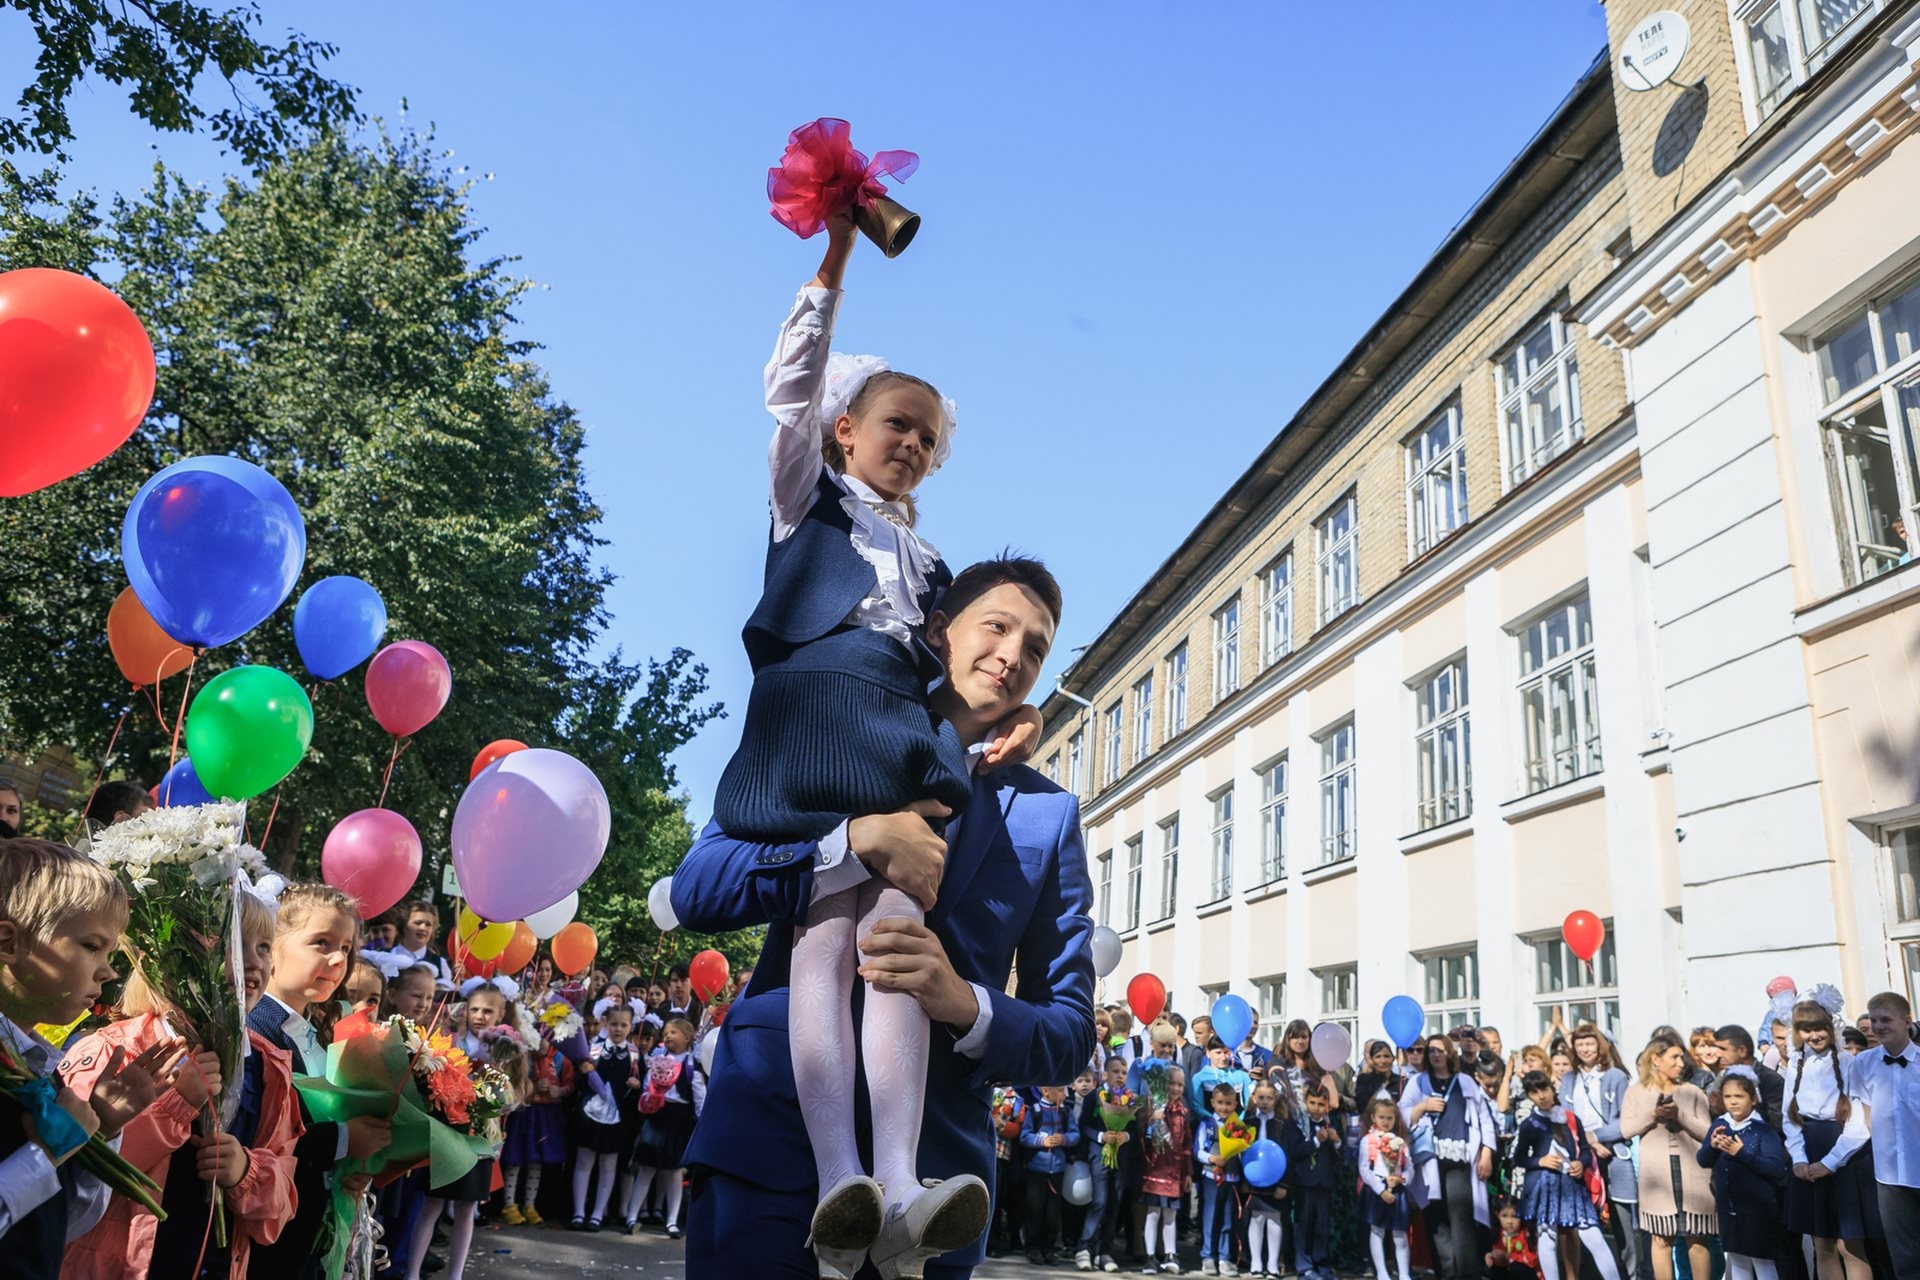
x=1015 y=888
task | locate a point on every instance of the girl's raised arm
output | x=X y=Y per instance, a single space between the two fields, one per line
x=796 y=382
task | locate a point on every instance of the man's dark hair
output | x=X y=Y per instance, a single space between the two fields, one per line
x=1536 y=1080
x=636 y=983
x=118 y=796
x=1737 y=1036
x=1179 y=1023
x=679 y=972
x=977 y=579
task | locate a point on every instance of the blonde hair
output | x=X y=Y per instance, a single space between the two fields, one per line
x=43 y=885
x=1162 y=1032
x=1650 y=1076
x=298 y=903
x=137 y=995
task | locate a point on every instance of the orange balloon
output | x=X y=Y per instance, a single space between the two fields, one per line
x=519 y=952
x=146 y=654
x=493 y=751
x=574 y=948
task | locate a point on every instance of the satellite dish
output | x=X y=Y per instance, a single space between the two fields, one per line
x=1652 y=51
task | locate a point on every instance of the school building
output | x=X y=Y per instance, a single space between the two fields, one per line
x=1582 y=583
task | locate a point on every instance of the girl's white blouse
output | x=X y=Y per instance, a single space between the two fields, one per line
x=796 y=380
x=1817 y=1099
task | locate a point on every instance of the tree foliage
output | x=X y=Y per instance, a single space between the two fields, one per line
x=160 y=50
x=332 y=319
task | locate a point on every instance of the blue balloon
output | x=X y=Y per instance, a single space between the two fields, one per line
x=212 y=546
x=1264 y=1163
x=182 y=786
x=1404 y=1020
x=338 y=625
x=1232 y=1020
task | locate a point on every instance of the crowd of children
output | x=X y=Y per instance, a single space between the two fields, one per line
x=309 y=963
x=1790 y=1155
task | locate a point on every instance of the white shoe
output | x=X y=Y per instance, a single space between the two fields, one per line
x=1229 y=1268
x=1170 y=1269
x=1208 y=1267
x=1083 y=1261
x=845 y=1224
x=950 y=1214
x=1107 y=1263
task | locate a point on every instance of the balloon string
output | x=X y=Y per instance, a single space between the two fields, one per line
x=270 y=813
x=152 y=694
x=399 y=745
x=105 y=760
x=180 y=717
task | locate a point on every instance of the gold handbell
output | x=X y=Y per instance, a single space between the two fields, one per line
x=888 y=224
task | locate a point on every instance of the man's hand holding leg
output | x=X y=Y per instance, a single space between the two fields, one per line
x=904 y=955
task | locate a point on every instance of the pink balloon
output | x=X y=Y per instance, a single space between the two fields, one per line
x=529 y=831
x=408 y=682
x=374 y=856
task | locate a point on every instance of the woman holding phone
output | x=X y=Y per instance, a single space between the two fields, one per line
x=1671 y=1118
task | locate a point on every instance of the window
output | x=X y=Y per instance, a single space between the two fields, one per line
x=1340 y=998
x=1053 y=767
x=1436 y=482
x=1339 y=815
x=1559 y=697
x=1538 y=385
x=1869 y=370
x=1222 y=845
x=1903 y=929
x=1270 y=1003
x=1226 y=649
x=1788 y=40
x=1136 y=856
x=1077 y=762
x=1106 y=889
x=1276 y=610
x=1177 y=691
x=1453 y=990
x=1441 y=754
x=1339 y=559
x=1581 y=992
x=1142 y=718
x=1169 y=866
x=1273 y=822
x=1113 y=744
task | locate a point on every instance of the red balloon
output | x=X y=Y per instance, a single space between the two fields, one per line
x=463 y=959
x=76 y=376
x=1147 y=997
x=493 y=751
x=708 y=972
x=408 y=682
x=1584 y=934
x=574 y=948
x=374 y=856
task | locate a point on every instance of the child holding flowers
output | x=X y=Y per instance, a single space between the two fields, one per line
x=60 y=918
x=536 y=1133
x=1217 y=1145
x=1167 y=1174
x=251 y=1163
x=1110 y=1127
x=313 y=945
x=1384 y=1165
x=675 y=1093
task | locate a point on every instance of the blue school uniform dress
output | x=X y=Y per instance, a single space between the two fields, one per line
x=1550 y=1198
x=837 y=721
x=1747 y=1187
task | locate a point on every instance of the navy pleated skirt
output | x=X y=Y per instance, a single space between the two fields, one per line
x=1843 y=1207
x=839 y=729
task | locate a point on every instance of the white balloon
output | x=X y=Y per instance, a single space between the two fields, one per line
x=556 y=917
x=1332 y=1046
x=703 y=1052
x=1106 y=951
x=660 y=905
x=1077 y=1186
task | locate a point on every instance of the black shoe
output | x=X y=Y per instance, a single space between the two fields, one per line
x=673 y=1232
x=593 y=1225
x=431 y=1263
x=1033 y=1258
x=578 y=1224
x=630 y=1226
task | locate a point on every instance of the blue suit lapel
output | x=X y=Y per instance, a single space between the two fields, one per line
x=979 y=825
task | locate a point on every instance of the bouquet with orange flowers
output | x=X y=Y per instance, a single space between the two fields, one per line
x=1233 y=1137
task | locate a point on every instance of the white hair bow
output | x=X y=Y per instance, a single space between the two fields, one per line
x=504 y=985
x=1745 y=1072
x=390 y=964
x=266 y=890
x=1828 y=997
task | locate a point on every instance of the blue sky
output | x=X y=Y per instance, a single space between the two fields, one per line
x=1150 y=230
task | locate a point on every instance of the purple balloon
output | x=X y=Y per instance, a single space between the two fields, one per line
x=529 y=831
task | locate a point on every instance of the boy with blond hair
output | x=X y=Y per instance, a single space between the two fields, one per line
x=61 y=915
x=1886 y=1080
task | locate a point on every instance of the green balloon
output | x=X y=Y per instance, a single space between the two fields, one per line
x=247 y=729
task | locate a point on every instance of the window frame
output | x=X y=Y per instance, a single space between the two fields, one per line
x=1445 y=1010
x=1136 y=847
x=1581 y=662
x=1337 y=846
x=1424 y=474
x=1226 y=649
x=1804 y=59
x=1270 y=1009
x=1333 y=548
x=1220 y=845
x=1523 y=458
x=1142 y=719
x=1169 y=868
x=1111 y=731
x=1274 y=782
x=1599 y=999
x=1103 y=901
x=1276 y=609
x=1330 y=979
x=1892 y=390
x=1431 y=731
x=1053 y=768
x=1077 y=761
x=1901 y=899
x=1179 y=667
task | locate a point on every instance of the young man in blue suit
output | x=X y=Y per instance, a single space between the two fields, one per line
x=1007 y=883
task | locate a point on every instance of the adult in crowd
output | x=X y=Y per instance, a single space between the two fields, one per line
x=679 y=1002
x=12 y=810
x=1671 y=1118
x=1008 y=884
x=1454 y=1146
x=1596 y=1090
x=114 y=802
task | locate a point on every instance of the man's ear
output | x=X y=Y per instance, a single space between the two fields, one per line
x=937 y=633
x=11 y=943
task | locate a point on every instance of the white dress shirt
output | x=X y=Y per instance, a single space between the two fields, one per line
x=311 y=1053
x=1816 y=1092
x=1892 y=1096
x=28 y=1176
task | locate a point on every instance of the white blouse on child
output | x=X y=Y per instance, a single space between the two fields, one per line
x=796 y=382
x=1818 y=1097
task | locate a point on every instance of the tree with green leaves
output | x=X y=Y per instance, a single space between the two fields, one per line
x=161 y=50
x=332 y=319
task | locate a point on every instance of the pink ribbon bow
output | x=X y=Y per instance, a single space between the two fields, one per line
x=821 y=175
